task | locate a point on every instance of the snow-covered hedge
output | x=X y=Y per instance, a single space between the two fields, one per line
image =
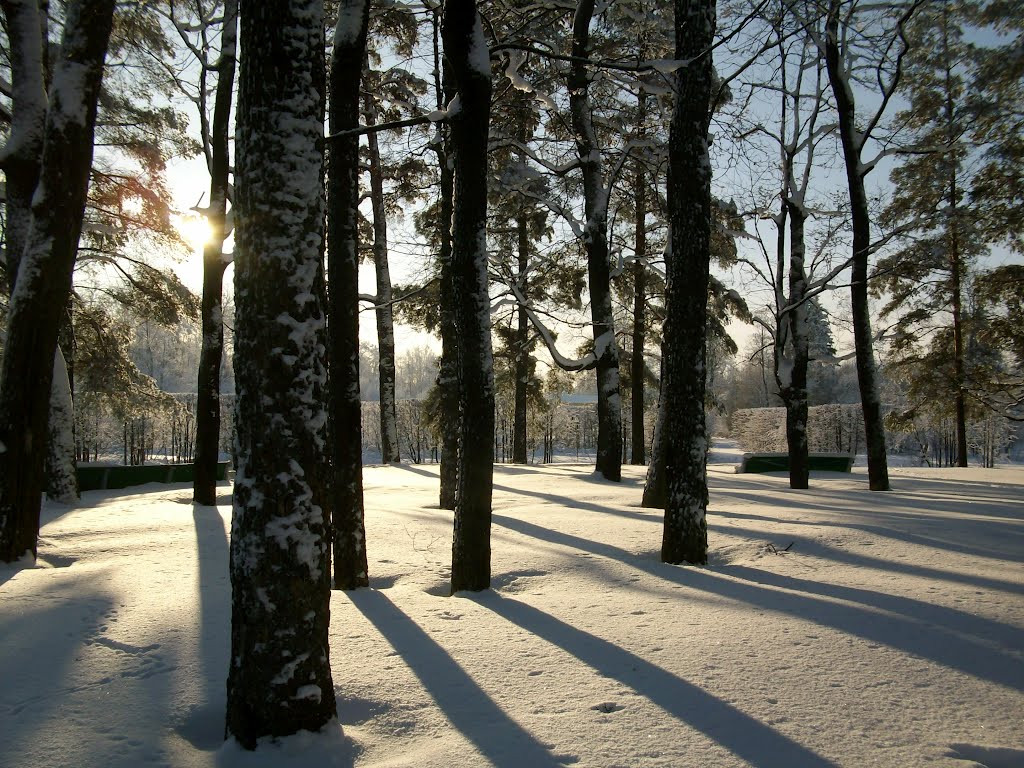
x=830 y=429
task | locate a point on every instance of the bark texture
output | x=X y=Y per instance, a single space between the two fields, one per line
x=44 y=273
x=204 y=487
x=685 y=535
x=595 y=241
x=279 y=680
x=61 y=477
x=385 y=312
x=350 y=566
x=638 y=454
x=852 y=143
x=522 y=344
x=466 y=53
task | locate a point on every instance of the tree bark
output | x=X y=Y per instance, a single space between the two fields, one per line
x=636 y=372
x=204 y=488
x=350 y=563
x=685 y=535
x=867 y=372
x=522 y=343
x=793 y=386
x=595 y=241
x=44 y=273
x=385 y=312
x=466 y=52
x=279 y=679
x=61 y=477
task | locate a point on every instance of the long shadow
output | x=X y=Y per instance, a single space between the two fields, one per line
x=37 y=647
x=912 y=629
x=1002 y=540
x=744 y=736
x=498 y=737
x=204 y=725
x=653 y=516
x=820 y=549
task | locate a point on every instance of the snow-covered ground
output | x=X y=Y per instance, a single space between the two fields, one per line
x=833 y=627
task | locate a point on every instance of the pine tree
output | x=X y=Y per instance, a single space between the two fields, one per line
x=279 y=679
x=926 y=279
x=45 y=268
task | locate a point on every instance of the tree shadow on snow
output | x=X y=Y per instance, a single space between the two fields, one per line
x=467 y=706
x=743 y=735
x=979 y=647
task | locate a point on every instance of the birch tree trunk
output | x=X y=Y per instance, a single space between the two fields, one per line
x=279 y=678
x=852 y=143
x=467 y=55
x=350 y=564
x=685 y=535
x=385 y=312
x=44 y=273
x=204 y=488
x=595 y=241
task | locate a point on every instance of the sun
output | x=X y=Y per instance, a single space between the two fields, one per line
x=194 y=230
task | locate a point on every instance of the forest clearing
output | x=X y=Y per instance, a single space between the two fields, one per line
x=832 y=627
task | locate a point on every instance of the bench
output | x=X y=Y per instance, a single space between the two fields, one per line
x=120 y=476
x=779 y=462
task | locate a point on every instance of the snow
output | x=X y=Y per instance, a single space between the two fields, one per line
x=833 y=627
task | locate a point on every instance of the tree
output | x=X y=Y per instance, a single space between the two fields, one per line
x=215 y=261
x=595 y=241
x=46 y=265
x=466 y=53
x=926 y=278
x=350 y=565
x=279 y=679
x=889 y=46
x=685 y=534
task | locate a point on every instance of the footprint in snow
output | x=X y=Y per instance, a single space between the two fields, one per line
x=607 y=706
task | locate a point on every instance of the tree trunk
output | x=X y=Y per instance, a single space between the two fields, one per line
x=44 y=273
x=385 y=312
x=350 y=564
x=522 y=342
x=279 y=679
x=867 y=372
x=794 y=393
x=685 y=536
x=655 y=491
x=466 y=52
x=61 y=478
x=636 y=372
x=204 y=488
x=595 y=241
x=447 y=372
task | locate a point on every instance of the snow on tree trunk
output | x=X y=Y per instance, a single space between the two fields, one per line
x=23 y=151
x=867 y=372
x=685 y=535
x=350 y=565
x=204 y=488
x=279 y=680
x=61 y=478
x=654 y=486
x=385 y=312
x=595 y=242
x=467 y=55
x=44 y=273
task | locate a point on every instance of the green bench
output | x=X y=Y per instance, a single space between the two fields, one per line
x=779 y=462
x=120 y=476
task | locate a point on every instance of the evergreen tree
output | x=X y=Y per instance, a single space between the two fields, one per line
x=279 y=677
x=926 y=279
